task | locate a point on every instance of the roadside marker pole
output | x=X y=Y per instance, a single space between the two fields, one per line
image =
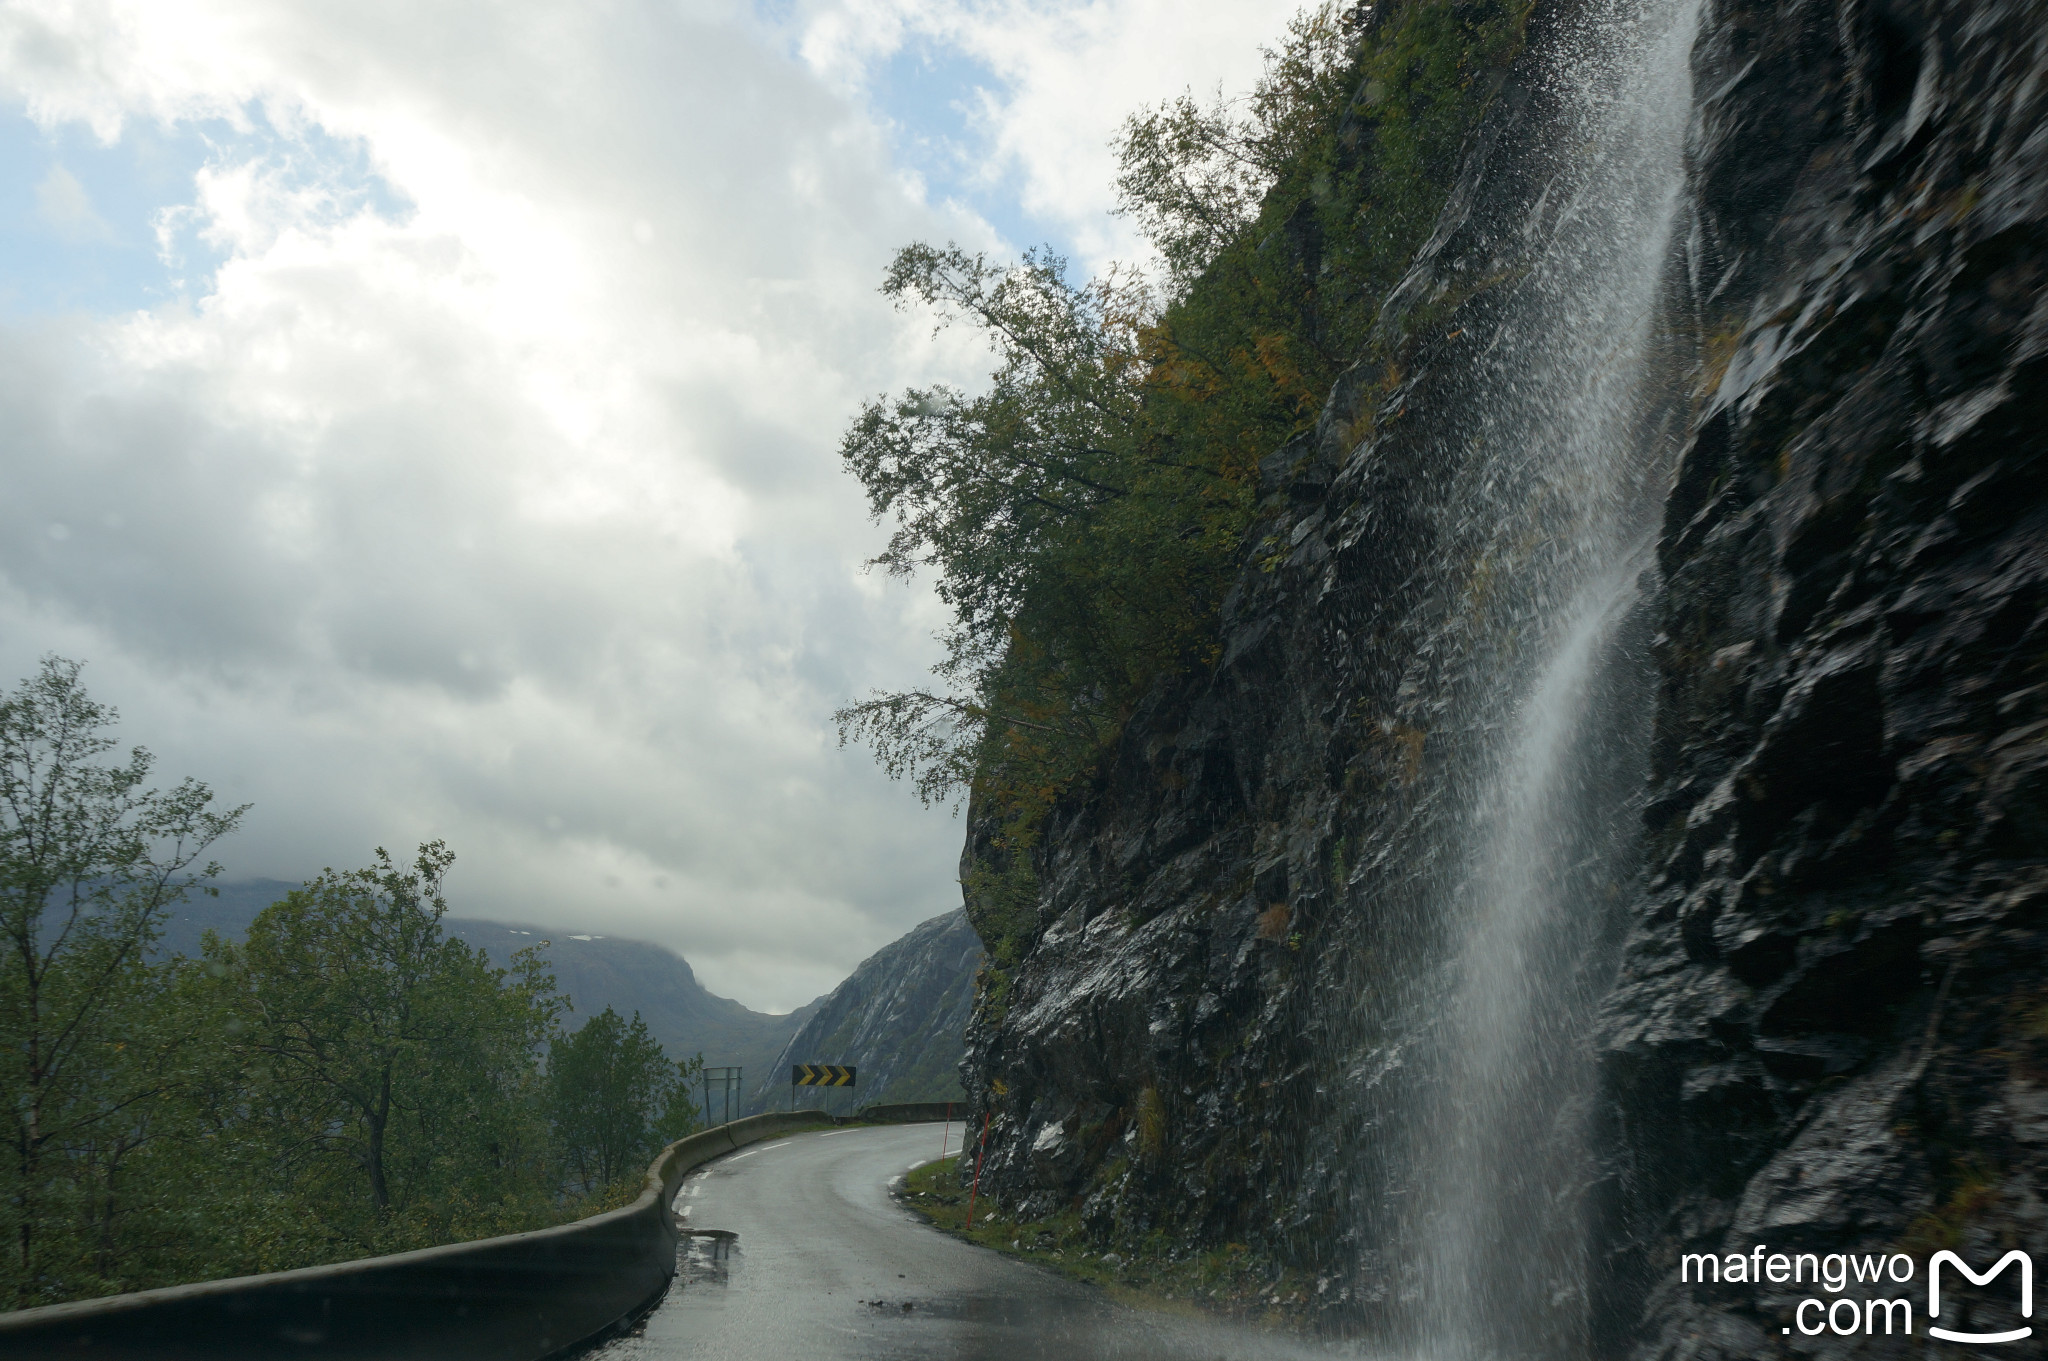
x=947 y=1132
x=978 y=1156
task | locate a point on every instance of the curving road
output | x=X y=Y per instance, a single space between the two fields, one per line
x=815 y=1262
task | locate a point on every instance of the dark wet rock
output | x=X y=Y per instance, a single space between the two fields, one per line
x=899 y=1018
x=1829 y=1026
x=1834 y=987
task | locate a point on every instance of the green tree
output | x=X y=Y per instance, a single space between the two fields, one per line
x=1018 y=498
x=390 y=1073
x=1194 y=177
x=615 y=1100
x=91 y=859
x=1083 y=516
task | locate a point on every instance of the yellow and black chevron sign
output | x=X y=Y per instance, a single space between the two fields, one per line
x=820 y=1075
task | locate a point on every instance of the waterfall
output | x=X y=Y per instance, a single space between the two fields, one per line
x=1495 y=893
x=1573 y=460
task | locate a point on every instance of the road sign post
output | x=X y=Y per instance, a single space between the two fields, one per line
x=727 y=1083
x=818 y=1075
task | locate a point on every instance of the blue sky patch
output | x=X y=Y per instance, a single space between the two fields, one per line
x=930 y=96
x=79 y=219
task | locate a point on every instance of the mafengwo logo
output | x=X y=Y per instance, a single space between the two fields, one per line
x=2013 y=1258
x=1847 y=1316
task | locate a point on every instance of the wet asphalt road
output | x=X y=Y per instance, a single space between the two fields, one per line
x=824 y=1265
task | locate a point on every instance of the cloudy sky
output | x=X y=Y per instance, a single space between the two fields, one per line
x=422 y=419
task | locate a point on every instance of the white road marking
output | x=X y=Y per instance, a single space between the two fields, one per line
x=752 y=1151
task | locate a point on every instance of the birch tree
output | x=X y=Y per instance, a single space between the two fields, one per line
x=91 y=859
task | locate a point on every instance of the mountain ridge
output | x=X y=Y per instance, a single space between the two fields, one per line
x=900 y=1019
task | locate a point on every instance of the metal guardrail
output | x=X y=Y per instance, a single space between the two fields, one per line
x=519 y=1297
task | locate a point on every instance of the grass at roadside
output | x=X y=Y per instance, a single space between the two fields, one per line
x=1153 y=1272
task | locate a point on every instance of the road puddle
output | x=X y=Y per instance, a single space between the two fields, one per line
x=704 y=1257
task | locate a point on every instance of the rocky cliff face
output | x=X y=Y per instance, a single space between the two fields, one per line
x=1831 y=1028
x=899 y=1018
x=1816 y=942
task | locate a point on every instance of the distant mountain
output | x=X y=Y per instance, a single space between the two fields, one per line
x=230 y=913
x=630 y=975
x=594 y=971
x=900 y=1019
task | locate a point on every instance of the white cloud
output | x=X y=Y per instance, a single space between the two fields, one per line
x=66 y=209
x=499 y=500
x=1066 y=74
